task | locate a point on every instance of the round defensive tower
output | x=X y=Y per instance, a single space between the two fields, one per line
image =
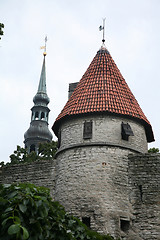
x=99 y=126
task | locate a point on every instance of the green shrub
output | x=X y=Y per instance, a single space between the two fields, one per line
x=28 y=212
x=153 y=150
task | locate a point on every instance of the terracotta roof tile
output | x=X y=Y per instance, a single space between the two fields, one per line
x=103 y=89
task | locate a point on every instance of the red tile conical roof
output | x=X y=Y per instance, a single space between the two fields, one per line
x=103 y=89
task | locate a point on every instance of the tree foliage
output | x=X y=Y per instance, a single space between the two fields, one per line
x=1 y=31
x=21 y=155
x=153 y=150
x=48 y=150
x=27 y=212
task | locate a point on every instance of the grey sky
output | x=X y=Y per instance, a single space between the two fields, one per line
x=132 y=37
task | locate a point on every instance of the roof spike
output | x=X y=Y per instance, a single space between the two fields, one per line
x=41 y=96
x=103 y=28
x=42 y=82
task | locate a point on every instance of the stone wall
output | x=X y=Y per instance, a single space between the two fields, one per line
x=106 y=130
x=41 y=173
x=144 y=183
x=104 y=186
x=92 y=182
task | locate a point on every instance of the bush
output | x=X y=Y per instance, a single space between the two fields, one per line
x=28 y=212
x=153 y=150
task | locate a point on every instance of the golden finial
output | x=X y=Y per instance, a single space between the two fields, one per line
x=44 y=47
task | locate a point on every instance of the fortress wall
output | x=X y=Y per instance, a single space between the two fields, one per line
x=93 y=182
x=144 y=183
x=40 y=173
x=101 y=186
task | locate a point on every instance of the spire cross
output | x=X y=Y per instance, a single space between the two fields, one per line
x=103 y=28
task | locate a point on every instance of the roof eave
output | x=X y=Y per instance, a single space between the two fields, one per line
x=147 y=126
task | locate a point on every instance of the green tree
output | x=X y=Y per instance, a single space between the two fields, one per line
x=28 y=212
x=48 y=150
x=20 y=155
x=153 y=150
x=1 y=31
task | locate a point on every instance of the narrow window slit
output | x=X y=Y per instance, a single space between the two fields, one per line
x=87 y=221
x=124 y=225
x=141 y=192
x=126 y=131
x=87 y=130
x=32 y=148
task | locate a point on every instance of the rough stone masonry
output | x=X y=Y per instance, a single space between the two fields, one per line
x=143 y=194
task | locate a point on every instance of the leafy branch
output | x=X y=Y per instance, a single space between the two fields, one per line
x=20 y=155
x=153 y=150
x=27 y=212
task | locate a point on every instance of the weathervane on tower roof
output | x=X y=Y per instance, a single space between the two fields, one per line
x=103 y=28
x=44 y=47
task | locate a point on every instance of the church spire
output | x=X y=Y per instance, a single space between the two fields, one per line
x=41 y=96
x=38 y=131
x=42 y=82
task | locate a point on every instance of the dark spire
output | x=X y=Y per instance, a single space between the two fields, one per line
x=42 y=82
x=38 y=131
x=41 y=96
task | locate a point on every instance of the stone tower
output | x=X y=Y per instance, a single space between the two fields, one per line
x=98 y=127
x=38 y=131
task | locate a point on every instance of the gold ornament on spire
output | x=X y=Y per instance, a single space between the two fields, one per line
x=44 y=47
